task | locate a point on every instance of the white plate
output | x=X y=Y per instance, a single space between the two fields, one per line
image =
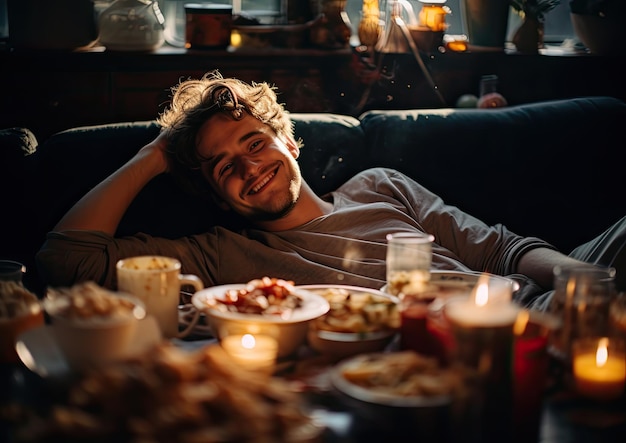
x=463 y=279
x=381 y=398
x=39 y=352
x=313 y=306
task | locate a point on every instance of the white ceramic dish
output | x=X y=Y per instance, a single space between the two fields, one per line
x=39 y=351
x=291 y=332
x=344 y=344
x=91 y=325
x=462 y=280
x=378 y=397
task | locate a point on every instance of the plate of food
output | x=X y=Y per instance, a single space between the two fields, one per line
x=399 y=379
x=359 y=320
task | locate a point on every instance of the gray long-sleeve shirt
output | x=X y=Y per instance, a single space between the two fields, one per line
x=347 y=246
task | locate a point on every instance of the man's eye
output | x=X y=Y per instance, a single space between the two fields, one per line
x=224 y=169
x=256 y=145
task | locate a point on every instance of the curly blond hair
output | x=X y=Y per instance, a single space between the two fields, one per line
x=194 y=101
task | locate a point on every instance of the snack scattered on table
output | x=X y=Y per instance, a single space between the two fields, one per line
x=353 y=311
x=403 y=373
x=172 y=395
x=265 y=296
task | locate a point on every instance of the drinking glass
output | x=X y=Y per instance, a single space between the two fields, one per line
x=409 y=256
x=581 y=300
x=11 y=270
x=617 y=316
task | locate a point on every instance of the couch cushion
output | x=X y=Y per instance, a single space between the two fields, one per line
x=334 y=148
x=71 y=162
x=548 y=169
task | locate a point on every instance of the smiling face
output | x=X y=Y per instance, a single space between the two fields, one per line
x=251 y=170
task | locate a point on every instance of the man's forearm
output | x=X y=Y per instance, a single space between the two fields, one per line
x=539 y=265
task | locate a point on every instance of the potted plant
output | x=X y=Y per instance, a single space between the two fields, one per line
x=528 y=38
x=597 y=24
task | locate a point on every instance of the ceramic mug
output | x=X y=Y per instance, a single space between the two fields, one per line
x=157 y=281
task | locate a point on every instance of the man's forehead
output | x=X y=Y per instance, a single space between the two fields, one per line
x=220 y=131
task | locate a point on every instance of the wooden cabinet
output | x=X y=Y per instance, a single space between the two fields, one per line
x=48 y=91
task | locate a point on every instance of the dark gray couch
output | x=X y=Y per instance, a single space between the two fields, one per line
x=551 y=169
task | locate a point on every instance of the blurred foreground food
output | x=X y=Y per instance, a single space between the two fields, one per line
x=172 y=395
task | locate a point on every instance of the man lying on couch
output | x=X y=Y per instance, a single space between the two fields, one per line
x=235 y=141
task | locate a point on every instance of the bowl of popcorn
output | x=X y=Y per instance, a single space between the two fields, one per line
x=92 y=325
x=20 y=311
x=359 y=320
x=262 y=308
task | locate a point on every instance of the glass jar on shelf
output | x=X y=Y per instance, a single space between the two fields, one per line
x=489 y=96
x=131 y=25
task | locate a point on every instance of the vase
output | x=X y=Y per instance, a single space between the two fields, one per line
x=528 y=38
x=600 y=35
x=485 y=23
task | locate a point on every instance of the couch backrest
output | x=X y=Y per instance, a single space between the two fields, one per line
x=552 y=169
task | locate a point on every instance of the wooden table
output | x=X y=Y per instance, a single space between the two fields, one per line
x=565 y=418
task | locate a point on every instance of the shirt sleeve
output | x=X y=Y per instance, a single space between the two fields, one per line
x=73 y=256
x=488 y=248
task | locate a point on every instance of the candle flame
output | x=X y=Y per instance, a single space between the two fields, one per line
x=248 y=341
x=521 y=322
x=481 y=291
x=602 y=354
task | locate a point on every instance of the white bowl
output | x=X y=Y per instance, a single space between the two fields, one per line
x=290 y=332
x=344 y=343
x=95 y=340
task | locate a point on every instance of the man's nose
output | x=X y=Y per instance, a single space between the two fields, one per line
x=248 y=165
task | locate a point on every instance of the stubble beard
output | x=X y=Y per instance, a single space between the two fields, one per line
x=283 y=206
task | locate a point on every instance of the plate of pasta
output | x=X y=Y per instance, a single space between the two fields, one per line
x=400 y=379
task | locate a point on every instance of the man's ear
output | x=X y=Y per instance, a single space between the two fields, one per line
x=292 y=147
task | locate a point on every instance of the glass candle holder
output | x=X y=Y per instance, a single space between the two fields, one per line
x=581 y=301
x=251 y=348
x=599 y=367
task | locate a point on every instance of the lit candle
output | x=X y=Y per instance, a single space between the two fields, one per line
x=482 y=332
x=488 y=306
x=599 y=370
x=253 y=352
